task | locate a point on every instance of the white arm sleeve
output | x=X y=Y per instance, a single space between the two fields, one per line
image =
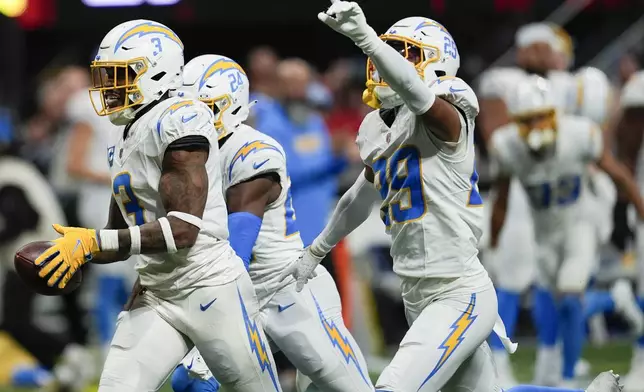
x=350 y=212
x=400 y=74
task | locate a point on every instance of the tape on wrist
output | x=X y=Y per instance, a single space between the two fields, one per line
x=135 y=240
x=167 y=235
x=109 y=240
x=193 y=220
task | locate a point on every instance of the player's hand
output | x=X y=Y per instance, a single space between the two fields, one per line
x=348 y=19
x=76 y=247
x=302 y=269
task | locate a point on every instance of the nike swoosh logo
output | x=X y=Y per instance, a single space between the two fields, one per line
x=258 y=165
x=191 y=361
x=206 y=306
x=456 y=90
x=78 y=243
x=186 y=119
x=281 y=308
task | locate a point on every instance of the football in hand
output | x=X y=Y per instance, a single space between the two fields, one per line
x=28 y=271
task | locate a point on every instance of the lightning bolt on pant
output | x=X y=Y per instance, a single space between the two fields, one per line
x=219 y=320
x=445 y=346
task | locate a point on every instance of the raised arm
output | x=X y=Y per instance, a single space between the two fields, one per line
x=350 y=212
x=439 y=115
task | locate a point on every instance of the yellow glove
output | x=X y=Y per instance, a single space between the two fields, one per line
x=369 y=97
x=76 y=247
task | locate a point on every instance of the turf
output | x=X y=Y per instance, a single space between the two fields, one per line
x=615 y=356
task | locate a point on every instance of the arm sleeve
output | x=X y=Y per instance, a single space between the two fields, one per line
x=244 y=228
x=401 y=76
x=350 y=213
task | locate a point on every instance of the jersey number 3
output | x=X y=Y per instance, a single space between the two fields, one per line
x=402 y=174
x=122 y=188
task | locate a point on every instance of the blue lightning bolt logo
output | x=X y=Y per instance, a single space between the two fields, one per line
x=455 y=337
x=341 y=342
x=257 y=345
x=245 y=150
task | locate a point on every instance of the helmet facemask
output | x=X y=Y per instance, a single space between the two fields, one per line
x=115 y=91
x=539 y=131
x=378 y=93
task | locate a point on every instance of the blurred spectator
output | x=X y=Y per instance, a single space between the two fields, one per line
x=262 y=72
x=28 y=203
x=300 y=129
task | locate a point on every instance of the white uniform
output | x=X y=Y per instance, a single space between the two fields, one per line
x=556 y=186
x=200 y=295
x=307 y=326
x=433 y=212
x=585 y=93
x=514 y=267
x=91 y=195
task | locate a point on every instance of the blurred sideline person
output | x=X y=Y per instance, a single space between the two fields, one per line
x=629 y=137
x=28 y=207
x=262 y=73
x=308 y=328
x=418 y=152
x=301 y=130
x=87 y=165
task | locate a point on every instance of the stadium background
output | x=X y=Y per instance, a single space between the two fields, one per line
x=41 y=38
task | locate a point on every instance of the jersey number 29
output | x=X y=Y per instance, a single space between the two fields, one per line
x=402 y=174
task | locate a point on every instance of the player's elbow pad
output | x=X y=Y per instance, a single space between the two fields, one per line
x=244 y=228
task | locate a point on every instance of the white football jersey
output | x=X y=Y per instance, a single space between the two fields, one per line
x=244 y=155
x=135 y=164
x=555 y=185
x=431 y=206
x=500 y=82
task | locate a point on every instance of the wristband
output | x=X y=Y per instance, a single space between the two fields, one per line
x=167 y=235
x=135 y=240
x=108 y=240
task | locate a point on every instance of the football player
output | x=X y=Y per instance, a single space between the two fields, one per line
x=549 y=153
x=307 y=327
x=168 y=207
x=419 y=154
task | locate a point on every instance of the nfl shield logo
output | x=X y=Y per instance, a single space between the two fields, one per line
x=110 y=155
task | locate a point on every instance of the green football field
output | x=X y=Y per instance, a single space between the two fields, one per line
x=615 y=356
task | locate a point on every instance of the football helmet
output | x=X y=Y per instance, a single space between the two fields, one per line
x=222 y=84
x=425 y=43
x=136 y=64
x=564 y=46
x=533 y=109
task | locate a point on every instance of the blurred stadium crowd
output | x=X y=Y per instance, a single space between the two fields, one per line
x=52 y=143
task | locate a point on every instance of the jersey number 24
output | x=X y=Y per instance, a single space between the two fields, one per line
x=402 y=173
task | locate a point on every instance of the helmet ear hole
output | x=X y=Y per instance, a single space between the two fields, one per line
x=440 y=73
x=158 y=76
x=237 y=109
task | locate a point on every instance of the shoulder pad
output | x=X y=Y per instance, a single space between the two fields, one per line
x=370 y=122
x=253 y=153
x=498 y=82
x=593 y=94
x=455 y=91
x=633 y=91
x=184 y=117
